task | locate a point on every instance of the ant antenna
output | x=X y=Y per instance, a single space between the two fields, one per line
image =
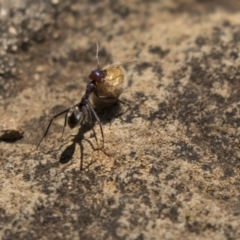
x=97 y=54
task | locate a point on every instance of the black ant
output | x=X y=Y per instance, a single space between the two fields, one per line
x=83 y=111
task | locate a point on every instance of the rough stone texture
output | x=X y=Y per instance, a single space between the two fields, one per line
x=172 y=169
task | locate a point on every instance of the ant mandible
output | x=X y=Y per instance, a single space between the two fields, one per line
x=81 y=112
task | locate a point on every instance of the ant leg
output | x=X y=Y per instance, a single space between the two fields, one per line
x=50 y=123
x=122 y=102
x=91 y=119
x=65 y=123
x=81 y=153
x=98 y=120
x=89 y=115
x=95 y=136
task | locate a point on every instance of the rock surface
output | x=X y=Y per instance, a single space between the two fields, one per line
x=171 y=166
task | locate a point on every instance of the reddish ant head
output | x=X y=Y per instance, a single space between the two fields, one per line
x=97 y=75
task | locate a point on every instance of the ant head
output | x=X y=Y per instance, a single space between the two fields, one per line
x=97 y=75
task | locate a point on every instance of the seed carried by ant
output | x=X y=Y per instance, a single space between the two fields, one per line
x=113 y=84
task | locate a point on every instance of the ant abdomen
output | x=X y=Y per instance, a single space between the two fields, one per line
x=74 y=117
x=112 y=86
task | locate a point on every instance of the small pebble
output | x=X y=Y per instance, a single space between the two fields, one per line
x=10 y=130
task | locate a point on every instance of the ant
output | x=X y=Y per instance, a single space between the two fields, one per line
x=83 y=111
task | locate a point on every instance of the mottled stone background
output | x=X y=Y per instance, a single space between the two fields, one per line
x=173 y=164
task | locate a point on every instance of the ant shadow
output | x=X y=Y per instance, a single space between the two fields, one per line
x=106 y=115
x=67 y=154
x=76 y=139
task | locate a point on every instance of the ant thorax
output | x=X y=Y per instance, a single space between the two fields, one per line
x=112 y=86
